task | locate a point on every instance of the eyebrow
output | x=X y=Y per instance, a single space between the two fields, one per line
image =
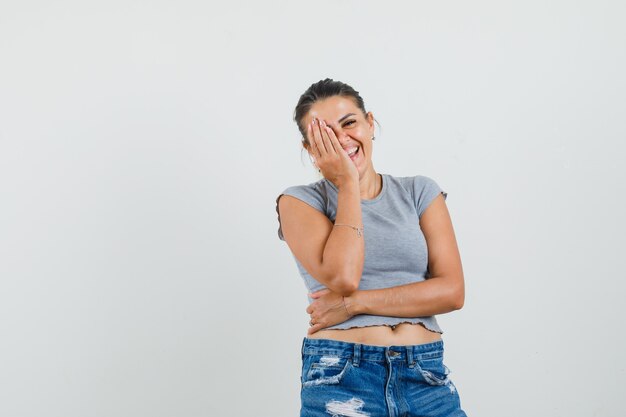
x=345 y=117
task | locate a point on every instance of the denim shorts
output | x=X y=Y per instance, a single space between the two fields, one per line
x=352 y=379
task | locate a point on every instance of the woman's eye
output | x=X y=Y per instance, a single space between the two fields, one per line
x=349 y=122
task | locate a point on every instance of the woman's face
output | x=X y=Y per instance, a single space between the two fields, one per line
x=351 y=127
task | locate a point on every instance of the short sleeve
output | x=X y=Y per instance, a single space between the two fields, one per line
x=304 y=193
x=425 y=189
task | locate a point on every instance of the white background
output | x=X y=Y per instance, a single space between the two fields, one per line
x=143 y=144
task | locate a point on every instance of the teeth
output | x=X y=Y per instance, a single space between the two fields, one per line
x=353 y=151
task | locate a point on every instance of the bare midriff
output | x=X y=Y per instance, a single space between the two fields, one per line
x=402 y=334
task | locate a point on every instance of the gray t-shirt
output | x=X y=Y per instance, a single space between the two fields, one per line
x=395 y=248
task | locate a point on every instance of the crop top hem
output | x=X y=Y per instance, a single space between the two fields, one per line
x=425 y=323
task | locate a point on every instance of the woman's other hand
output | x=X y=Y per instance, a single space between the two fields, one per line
x=327 y=310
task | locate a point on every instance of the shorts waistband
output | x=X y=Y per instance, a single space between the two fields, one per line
x=359 y=351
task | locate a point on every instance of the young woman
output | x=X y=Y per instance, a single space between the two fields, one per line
x=379 y=256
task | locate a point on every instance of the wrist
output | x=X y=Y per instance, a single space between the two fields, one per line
x=352 y=304
x=347 y=182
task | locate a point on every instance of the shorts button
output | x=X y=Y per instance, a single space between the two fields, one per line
x=393 y=353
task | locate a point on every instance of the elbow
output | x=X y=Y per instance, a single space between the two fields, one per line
x=454 y=291
x=343 y=276
x=457 y=299
x=458 y=303
x=347 y=288
x=345 y=285
x=345 y=281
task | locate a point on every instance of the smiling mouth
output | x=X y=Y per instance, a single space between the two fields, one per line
x=354 y=153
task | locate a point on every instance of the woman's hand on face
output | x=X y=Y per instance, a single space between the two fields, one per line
x=327 y=310
x=331 y=159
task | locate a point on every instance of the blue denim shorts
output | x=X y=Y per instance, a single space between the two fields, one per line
x=352 y=379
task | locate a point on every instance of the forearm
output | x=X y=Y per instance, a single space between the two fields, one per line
x=344 y=251
x=426 y=298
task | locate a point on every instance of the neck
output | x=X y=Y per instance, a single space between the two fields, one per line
x=370 y=185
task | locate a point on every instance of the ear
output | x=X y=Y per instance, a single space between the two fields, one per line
x=370 y=120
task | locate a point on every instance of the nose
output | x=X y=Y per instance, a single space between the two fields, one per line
x=341 y=136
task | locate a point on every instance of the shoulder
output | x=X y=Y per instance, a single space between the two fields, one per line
x=314 y=187
x=422 y=189
x=414 y=184
x=315 y=194
x=423 y=182
x=403 y=182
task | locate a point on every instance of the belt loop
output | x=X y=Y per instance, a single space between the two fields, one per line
x=356 y=358
x=302 y=348
x=409 y=356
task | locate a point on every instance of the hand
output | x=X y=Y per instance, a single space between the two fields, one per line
x=327 y=309
x=331 y=159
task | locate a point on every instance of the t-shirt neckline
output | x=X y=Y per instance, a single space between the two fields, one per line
x=373 y=200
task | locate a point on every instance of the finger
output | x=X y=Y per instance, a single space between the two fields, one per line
x=314 y=149
x=319 y=293
x=317 y=137
x=335 y=141
x=316 y=327
x=309 y=309
x=330 y=147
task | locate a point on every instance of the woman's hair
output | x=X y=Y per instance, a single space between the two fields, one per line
x=319 y=91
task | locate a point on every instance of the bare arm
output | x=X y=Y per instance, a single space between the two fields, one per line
x=332 y=255
x=443 y=292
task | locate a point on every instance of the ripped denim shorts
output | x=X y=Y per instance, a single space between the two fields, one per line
x=352 y=379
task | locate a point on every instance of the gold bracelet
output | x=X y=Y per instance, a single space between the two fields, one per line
x=359 y=230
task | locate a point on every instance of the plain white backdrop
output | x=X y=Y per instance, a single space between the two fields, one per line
x=143 y=144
